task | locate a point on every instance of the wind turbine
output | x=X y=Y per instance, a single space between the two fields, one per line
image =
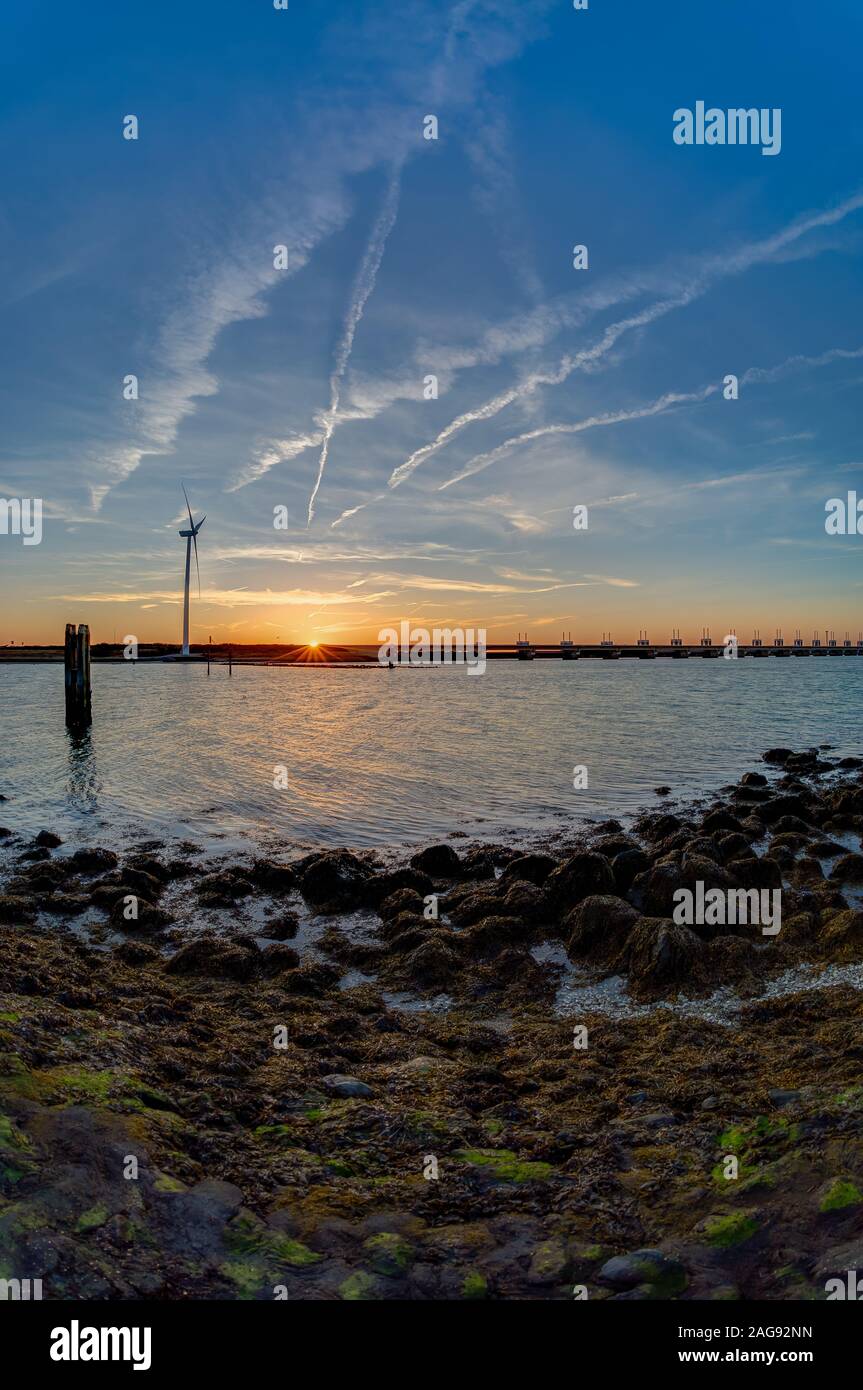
x=191 y=538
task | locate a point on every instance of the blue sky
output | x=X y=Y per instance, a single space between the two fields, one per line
x=410 y=257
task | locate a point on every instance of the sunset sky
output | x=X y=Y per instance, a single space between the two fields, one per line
x=408 y=258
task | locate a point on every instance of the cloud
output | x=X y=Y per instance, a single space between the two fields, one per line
x=702 y=277
x=233 y=598
x=363 y=286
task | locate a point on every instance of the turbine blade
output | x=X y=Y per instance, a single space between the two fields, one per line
x=200 y=524
x=188 y=508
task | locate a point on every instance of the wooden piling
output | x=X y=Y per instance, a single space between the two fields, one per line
x=76 y=663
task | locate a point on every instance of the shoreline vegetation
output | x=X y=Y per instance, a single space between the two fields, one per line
x=262 y=1095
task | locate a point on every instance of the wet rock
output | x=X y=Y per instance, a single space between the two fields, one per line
x=494 y=933
x=533 y=867
x=850 y=762
x=651 y=1267
x=137 y=913
x=404 y=900
x=582 y=876
x=778 y=806
x=434 y=964
x=756 y=873
x=334 y=881
x=720 y=820
x=523 y=899
x=16 y=908
x=478 y=863
x=438 y=861
x=93 y=861
x=735 y=846
x=598 y=927
x=69 y=904
x=777 y=755
x=273 y=878
x=223 y=889
x=626 y=867
x=5 y=832
x=136 y=953
x=841 y=936
x=47 y=839
x=346 y=1087
x=658 y=827
x=848 y=869
x=211 y=956
x=276 y=958
x=314 y=979
x=753 y=779
x=281 y=928
x=381 y=886
x=658 y=954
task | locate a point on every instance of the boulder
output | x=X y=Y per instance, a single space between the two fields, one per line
x=598 y=927
x=334 y=881
x=210 y=956
x=659 y=954
x=535 y=868
x=438 y=861
x=580 y=877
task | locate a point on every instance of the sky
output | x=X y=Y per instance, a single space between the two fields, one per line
x=263 y=387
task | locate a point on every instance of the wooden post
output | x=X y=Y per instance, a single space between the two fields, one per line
x=230 y=665
x=76 y=662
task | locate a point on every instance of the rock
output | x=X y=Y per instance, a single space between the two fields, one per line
x=658 y=953
x=658 y=827
x=276 y=958
x=93 y=861
x=720 y=820
x=15 y=908
x=533 y=867
x=626 y=867
x=282 y=928
x=662 y=791
x=581 y=877
x=753 y=779
x=599 y=926
x=209 y=956
x=273 y=878
x=494 y=933
x=778 y=806
x=68 y=904
x=848 y=869
x=224 y=888
x=5 y=832
x=649 y=1267
x=334 y=881
x=433 y=964
x=756 y=873
x=378 y=887
x=146 y=915
x=850 y=762
x=841 y=936
x=403 y=901
x=438 y=861
x=346 y=1087
x=777 y=755
x=47 y=839
x=548 y=1263
x=780 y=1098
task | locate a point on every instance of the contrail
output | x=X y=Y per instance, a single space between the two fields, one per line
x=615 y=417
x=363 y=286
x=712 y=269
x=657 y=407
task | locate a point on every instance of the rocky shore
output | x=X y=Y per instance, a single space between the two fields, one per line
x=331 y=1077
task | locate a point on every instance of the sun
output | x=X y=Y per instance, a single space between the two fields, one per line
x=313 y=644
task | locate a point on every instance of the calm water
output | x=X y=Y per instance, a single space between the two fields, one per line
x=384 y=758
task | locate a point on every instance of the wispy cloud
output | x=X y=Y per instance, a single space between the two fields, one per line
x=363 y=286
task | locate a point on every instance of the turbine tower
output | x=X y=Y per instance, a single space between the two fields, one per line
x=191 y=539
